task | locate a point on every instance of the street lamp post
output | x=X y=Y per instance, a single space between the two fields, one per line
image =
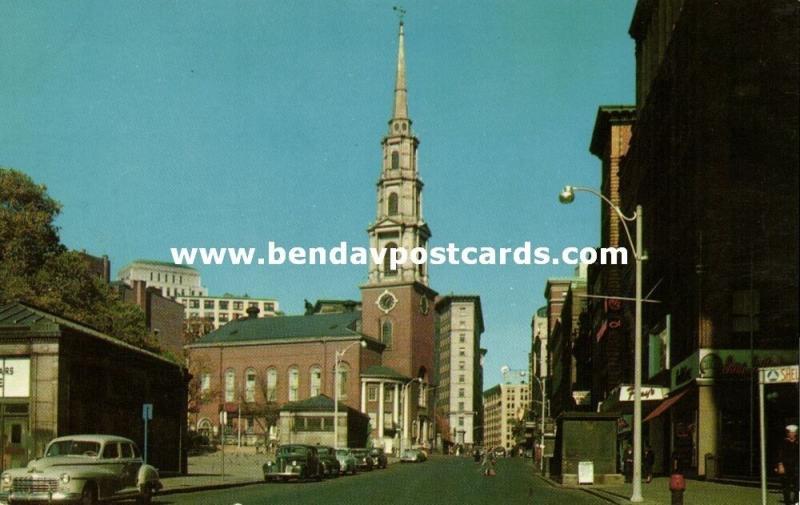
x=406 y=412
x=338 y=358
x=542 y=381
x=567 y=195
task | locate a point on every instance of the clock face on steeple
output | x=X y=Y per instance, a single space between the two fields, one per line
x=387 y=301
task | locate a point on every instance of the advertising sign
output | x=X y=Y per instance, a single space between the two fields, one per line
x=15 y=377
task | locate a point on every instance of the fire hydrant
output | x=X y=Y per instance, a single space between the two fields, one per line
x=677 y=485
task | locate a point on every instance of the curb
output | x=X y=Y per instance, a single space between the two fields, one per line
x=207 y=487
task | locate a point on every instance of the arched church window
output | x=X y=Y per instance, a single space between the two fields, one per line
x=386 y=332
x=395 y=160
x=393 y=204
x=387 y=260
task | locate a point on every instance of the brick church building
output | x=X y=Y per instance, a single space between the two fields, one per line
x=253 y=367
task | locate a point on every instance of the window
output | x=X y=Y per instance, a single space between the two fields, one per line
x=269 y=307
x=253 y=304
x=395 y=160
x=205 y=382
x=461 y=406
x=372 y=393
x=111 y=451
x=127 y=451
x=460 y=365
x=461 y=352
x=151 y=276
x=208 y=304
x=250 y=385
x=461 y=421
x=462 y=338
x=393 y=204
x=461 y=379
x=180 y=279
x=386 y=333
x=316 y=380
x=230 y=385
x=194 y=304
x=294 y=383
x=223 y=305
x=238 y=305
x=344 y=374
x=461 y=392
x=272 y=385
x=387 y=393
x=387 y=260
x=223 y=318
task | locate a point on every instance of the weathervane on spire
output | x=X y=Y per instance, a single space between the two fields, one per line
x=400 y=12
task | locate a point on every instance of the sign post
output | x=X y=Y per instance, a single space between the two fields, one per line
x=770 y=375
x=147 y=415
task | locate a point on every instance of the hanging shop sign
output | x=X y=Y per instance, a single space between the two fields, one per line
x=728 y=364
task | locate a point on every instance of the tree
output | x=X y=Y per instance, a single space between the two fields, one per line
x=37 y=268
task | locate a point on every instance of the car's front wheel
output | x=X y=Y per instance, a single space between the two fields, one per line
x=89 y=494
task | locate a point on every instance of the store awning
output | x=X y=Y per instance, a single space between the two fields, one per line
x=665 y=405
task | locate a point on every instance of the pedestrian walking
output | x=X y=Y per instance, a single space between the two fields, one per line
x=649 y=461
x=627 y=463
x=787 y=467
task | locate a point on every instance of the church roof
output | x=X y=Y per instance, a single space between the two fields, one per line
x=342 y=324
x=319 y=403
x=384 y=372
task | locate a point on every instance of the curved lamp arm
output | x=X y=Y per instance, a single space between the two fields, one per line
x=568 y=195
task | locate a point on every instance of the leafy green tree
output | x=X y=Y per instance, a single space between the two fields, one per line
x=37 y=268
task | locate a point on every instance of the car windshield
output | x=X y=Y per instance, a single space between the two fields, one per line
x=342 y=452
x=73 y=448
x=325 y=451
x=292 y=450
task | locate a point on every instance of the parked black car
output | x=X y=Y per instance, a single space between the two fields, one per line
x=363 y=460
x=379 y=457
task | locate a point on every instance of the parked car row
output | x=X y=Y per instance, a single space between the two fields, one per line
x=309 y=462
x=82 y=469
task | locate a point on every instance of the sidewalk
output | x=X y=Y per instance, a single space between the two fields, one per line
x=697 y=492
x=205 y=472
x=242 y=467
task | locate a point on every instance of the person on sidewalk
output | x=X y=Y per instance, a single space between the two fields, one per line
x=627 y=465
x=787 y=465
x=649 y=461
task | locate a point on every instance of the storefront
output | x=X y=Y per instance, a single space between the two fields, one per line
x=711 y=415
x=61 y=378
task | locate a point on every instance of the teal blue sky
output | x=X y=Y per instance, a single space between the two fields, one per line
x=162 y=124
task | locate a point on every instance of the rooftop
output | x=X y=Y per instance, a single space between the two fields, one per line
x=158 y=263
x=282 y=328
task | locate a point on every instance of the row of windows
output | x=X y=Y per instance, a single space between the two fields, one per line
x=166 y=278
x=268 y=384
x=226 y=304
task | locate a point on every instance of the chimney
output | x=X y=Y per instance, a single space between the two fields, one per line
x=252 y=312
x=140 y=294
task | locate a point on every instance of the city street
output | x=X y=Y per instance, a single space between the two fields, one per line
x=440 y=480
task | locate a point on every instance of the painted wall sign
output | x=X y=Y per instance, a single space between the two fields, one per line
x=15 y=377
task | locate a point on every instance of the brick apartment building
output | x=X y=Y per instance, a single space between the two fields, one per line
x=163 y=316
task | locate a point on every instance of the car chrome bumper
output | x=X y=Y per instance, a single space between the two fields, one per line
x=43 y=497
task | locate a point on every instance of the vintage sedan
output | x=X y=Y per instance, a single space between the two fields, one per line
x=82 y=469
x=413 y=456
x=347 y=461
x=294 y=461
x=330 y=463
x=379 y=457
x=363 y=460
